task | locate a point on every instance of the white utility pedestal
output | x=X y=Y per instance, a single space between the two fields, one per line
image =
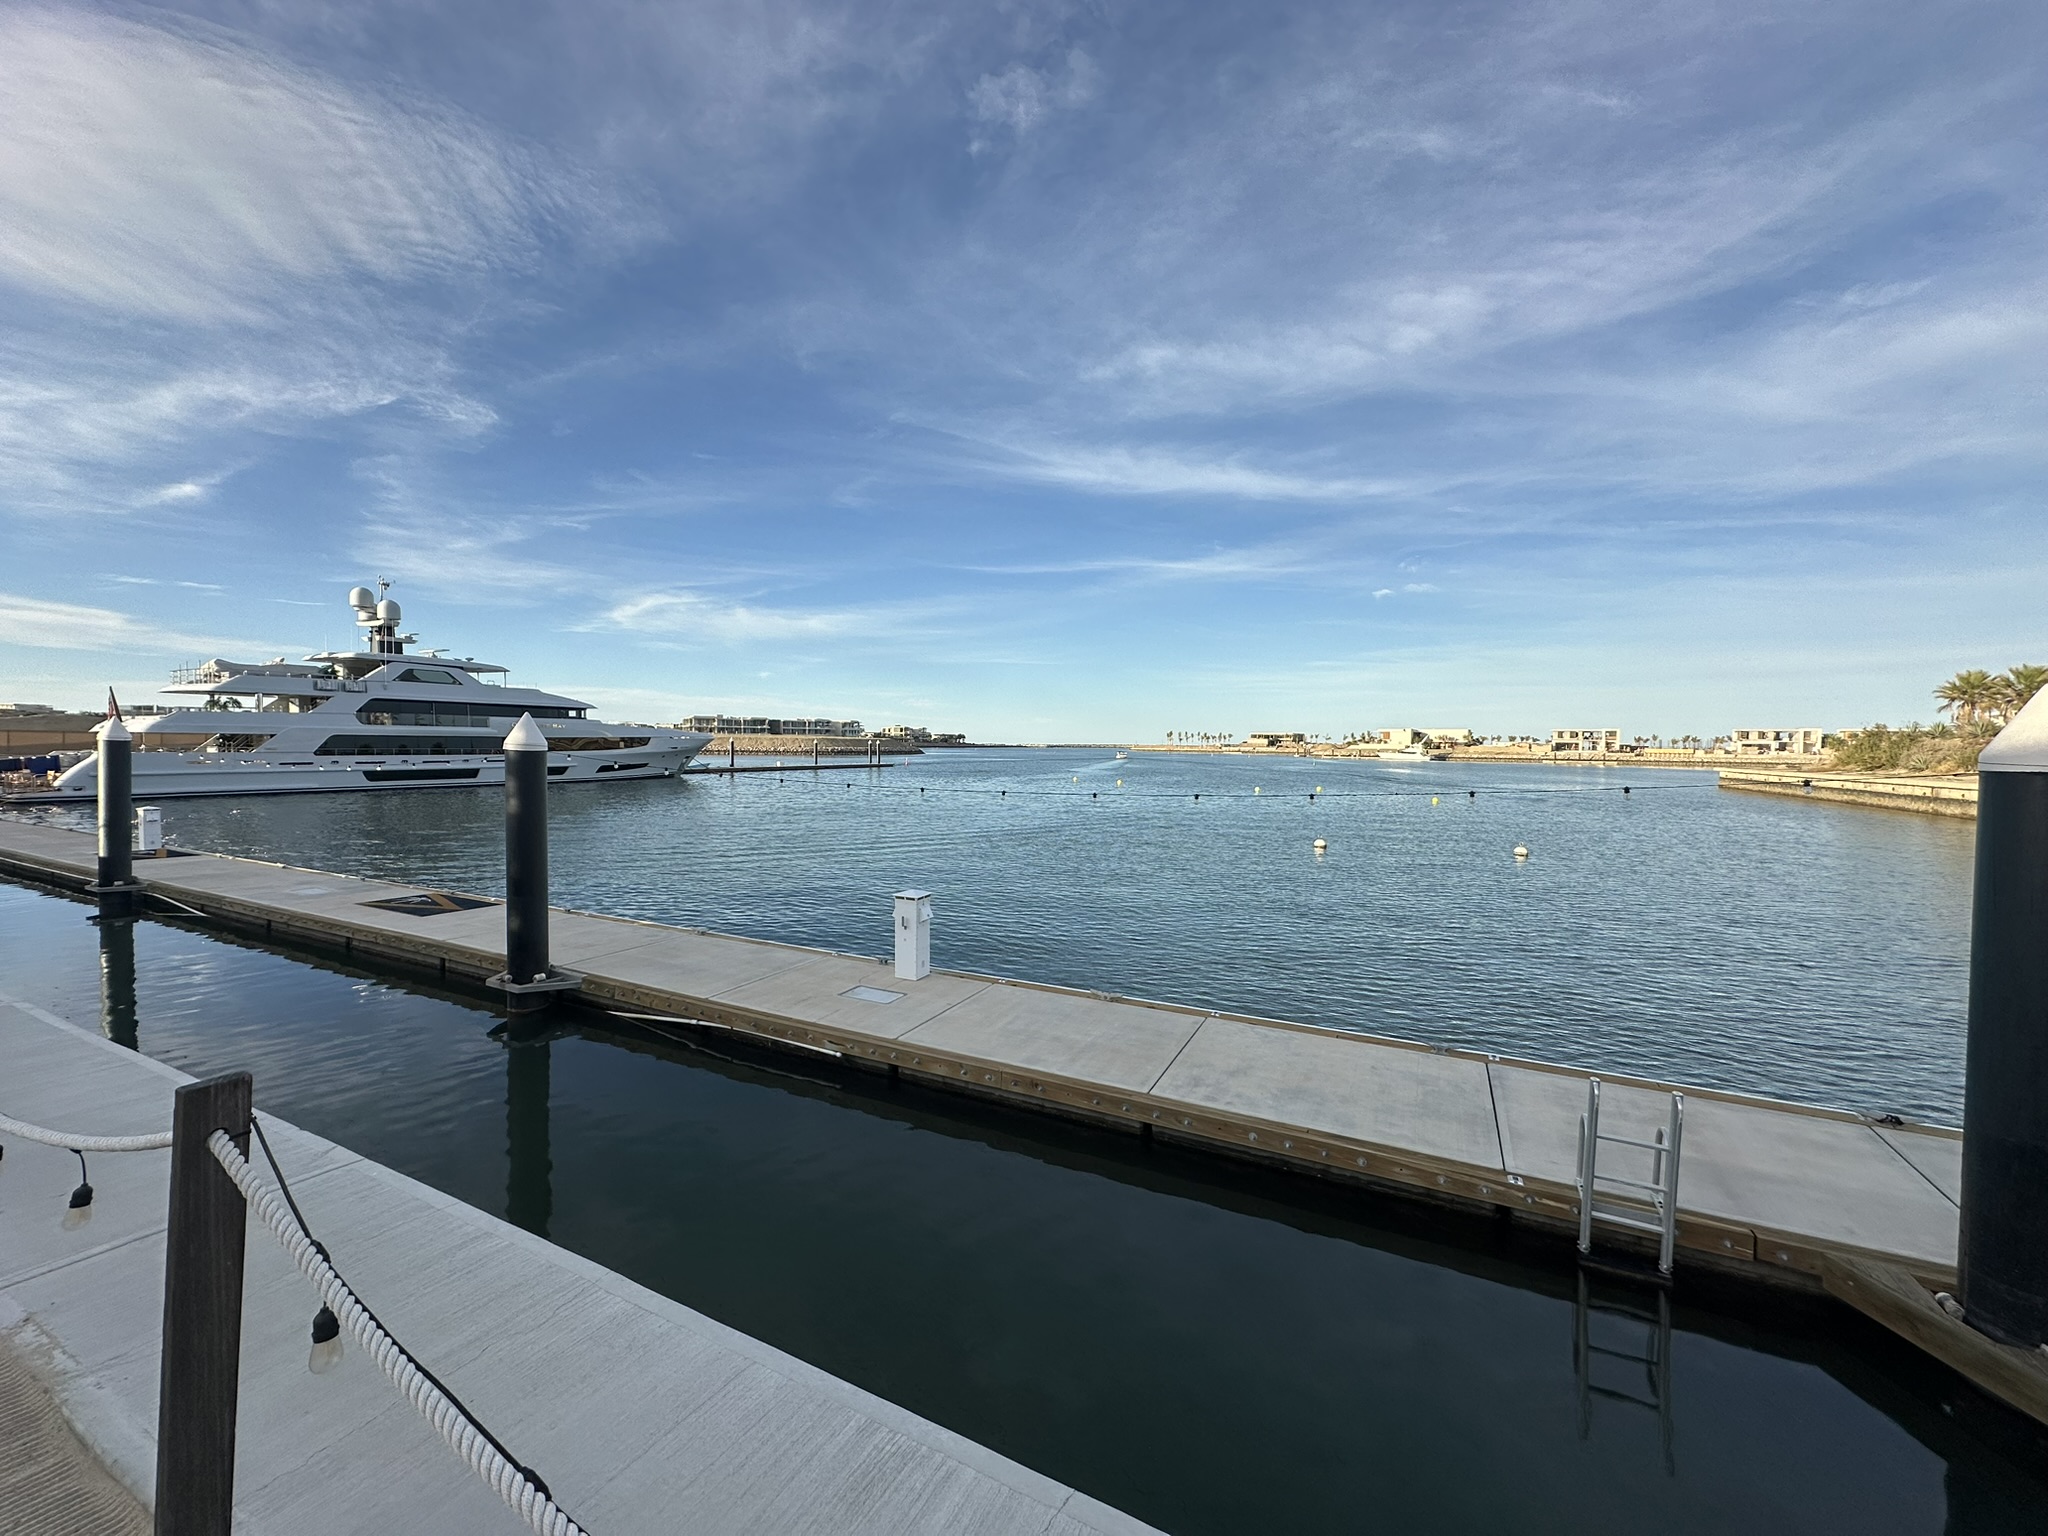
x=913 y=935
x=149 y=829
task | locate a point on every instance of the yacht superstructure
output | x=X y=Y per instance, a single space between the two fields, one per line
x=373 y=718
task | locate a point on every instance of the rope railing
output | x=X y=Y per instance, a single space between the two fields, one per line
x=153 y=1141
x=467 y=1438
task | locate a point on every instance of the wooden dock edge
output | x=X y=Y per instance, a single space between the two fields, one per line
x=1891 y=1297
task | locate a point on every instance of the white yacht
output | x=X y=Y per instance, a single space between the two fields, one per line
x=375 y=718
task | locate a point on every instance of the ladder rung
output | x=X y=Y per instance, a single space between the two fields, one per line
x=1620 y=1354
x=1615 y=1218
x=1613 y=1394
x=1630 y=1141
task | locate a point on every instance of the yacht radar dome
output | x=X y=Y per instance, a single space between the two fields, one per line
x=388 y=611
x=361 y=598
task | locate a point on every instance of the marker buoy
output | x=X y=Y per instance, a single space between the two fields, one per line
x=1521 y=852
x=1624 y=789
x=1119 y=783
x=1255 y=789
x=1321 y=845
x=1432 y=799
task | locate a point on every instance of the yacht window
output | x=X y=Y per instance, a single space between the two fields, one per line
x=429 y=675
x=398 y=746
x=432 y=712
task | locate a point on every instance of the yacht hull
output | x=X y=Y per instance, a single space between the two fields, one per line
x=178 y=776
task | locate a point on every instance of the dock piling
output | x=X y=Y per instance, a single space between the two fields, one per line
x=527 y=972
x=202 y=1339
x=2003 y=1261
x=116 y=886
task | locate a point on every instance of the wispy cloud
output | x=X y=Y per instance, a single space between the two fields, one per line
x=1144 y=471
x=43 y=625
x=1020 y=97
x=172 y=173
x=695 y=616
x=165 y=181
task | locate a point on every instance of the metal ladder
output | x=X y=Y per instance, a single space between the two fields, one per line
x=1659 y=1191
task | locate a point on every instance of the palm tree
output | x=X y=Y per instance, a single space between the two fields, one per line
x=2020 y=684
x=1968 y=695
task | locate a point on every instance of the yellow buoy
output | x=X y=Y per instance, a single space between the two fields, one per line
x=1432 y=799
x=1255 y=789
x=1119 y=783
x=1521 y=852
x=1319 y=789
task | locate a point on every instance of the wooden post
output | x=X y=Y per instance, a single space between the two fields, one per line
x=202 y=1351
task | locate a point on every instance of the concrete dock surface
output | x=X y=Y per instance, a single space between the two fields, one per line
x=1768 y=1188
x=643 y=1415
x=1928 y=794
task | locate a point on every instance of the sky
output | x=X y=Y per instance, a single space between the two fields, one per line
x=1041 y=371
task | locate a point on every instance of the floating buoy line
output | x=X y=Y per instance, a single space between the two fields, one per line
x=1257 y=792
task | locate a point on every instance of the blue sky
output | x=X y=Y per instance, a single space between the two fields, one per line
x=1064 y=371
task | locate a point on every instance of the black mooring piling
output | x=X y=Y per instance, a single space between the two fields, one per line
x=526 y=864
x=2004 y=1244
x=115 y=885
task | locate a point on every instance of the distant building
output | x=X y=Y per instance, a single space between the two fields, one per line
x=1587 y=742
x=1448 y=736
x=1402 y=736
x=768 y=725
x=1276 y=739
x=27 y=709
x=1804 y=742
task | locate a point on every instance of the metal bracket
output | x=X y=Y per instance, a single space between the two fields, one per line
x=554 y=981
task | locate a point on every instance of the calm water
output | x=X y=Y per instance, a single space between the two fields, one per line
x=1741 y=941
x=1215 y=1349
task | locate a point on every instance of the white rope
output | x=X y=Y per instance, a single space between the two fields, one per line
x=456 y=1427
x=154 y=1141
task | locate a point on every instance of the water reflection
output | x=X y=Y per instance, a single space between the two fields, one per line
x=529 y=1170
x=117 y=980
x=1306 y=1358
x=1621 y=1352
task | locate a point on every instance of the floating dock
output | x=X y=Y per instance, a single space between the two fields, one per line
x=1764 y=1183
x=1946 y=794
x=642 y=1414
x=1774 y=1191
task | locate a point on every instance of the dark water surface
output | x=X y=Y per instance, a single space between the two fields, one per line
x=1216 y=1349
x=1785 y=947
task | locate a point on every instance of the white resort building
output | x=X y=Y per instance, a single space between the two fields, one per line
x=1803 y=742
x=1587 y=741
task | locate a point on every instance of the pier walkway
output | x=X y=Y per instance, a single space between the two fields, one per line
x=1929 y=794
x=1772 y=1189
x=642 y=1414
